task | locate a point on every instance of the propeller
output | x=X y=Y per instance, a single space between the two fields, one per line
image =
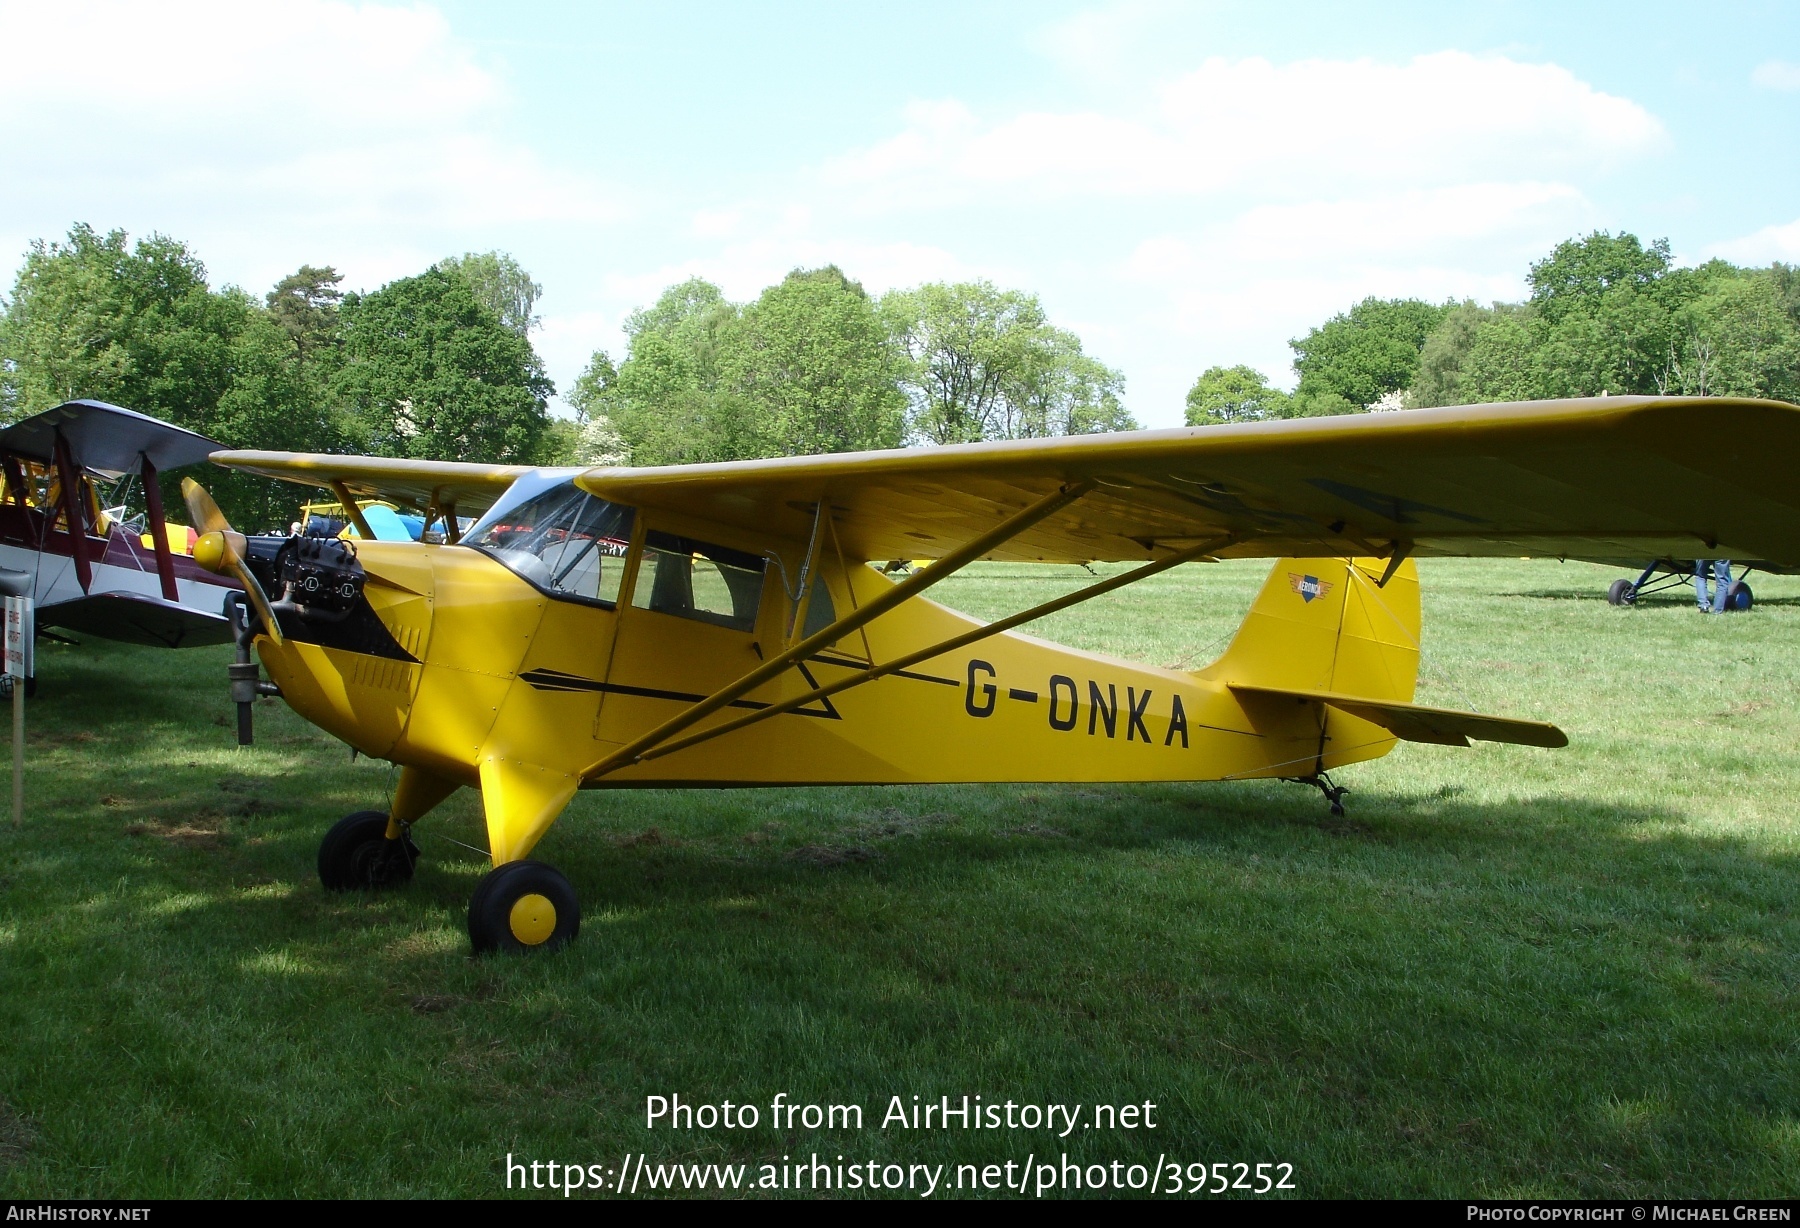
x=221 y=549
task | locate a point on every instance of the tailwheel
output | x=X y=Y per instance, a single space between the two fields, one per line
x=523 y=906
x=356 y=854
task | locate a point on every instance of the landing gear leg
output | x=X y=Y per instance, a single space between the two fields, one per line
x=1334 y=794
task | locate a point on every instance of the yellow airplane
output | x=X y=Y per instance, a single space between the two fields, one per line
x=728 y=624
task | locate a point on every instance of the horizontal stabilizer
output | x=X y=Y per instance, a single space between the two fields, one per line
x=137 y=618
x=1418 y=723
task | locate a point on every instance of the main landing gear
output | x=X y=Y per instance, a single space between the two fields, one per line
x=523 y=906
x=356 y=854
x=520 y=906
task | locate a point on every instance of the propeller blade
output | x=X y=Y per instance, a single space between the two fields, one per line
x=258 y=599
x=205 y=513
x=221 y=549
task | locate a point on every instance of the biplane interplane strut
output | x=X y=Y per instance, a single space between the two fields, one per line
x=619 y=628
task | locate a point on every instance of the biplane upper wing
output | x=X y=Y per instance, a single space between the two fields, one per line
x=1600 y=478
x=470 y=488
x=105 y=438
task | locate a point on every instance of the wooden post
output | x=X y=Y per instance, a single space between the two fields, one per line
x=19 y=633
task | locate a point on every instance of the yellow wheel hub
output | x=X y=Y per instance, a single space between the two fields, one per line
x=533 y=919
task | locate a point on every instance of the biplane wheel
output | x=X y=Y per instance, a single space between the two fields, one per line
x=523 y=906
x=1622 y=592
x=1737 y=597
x=356 y=854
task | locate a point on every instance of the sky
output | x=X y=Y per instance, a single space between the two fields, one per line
x=1183 y=184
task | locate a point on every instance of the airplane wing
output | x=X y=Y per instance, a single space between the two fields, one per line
x=105 y=438
x=1600 y=478
x=411 y=483
x=136 y=618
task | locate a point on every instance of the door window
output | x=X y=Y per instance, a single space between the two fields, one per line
x=698 y=580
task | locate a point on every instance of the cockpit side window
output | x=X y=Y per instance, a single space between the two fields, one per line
x=698 y=580
x=564 y=541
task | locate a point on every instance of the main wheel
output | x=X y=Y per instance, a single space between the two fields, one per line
x=1737 y=597
x=1622 y=592
x=356 y=854
x=523 y=906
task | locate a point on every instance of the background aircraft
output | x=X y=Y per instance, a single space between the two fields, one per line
x=121 y=577
x=713 y=625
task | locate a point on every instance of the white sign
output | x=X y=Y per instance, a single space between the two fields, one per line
x=19 y=636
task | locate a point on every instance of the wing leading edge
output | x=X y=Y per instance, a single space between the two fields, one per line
x=1601 y=478
x=470 y=488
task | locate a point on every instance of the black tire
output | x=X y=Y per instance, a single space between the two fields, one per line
x=1622 y=592
x=523 y=906
x=1737 y=597
x=356 y=854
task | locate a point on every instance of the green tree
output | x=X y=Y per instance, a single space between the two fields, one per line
x=1058 y=390
x=666 y=400
x=138 y=325
x=1738 y=336
x=1234 y=394
x=500 y=284
x=1579 y=273
x=1355 y=359
x=430 y=372
x=984 y=363
x=1501 y=364
x=305 y=304
x=590 y=438
x=812 y=366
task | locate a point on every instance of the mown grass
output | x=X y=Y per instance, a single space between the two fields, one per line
x=1507 y=972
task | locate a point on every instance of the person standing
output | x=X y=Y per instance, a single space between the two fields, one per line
x=1721 y=578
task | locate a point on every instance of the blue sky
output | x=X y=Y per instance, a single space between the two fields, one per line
x=1183 y=184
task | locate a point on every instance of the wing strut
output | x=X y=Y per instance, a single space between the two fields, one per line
x=353 y=510
x=159 y=531
x=914 y=584
x=950 y=645
x=70 y=481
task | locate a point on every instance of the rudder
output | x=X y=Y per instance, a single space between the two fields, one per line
x=1328 y=625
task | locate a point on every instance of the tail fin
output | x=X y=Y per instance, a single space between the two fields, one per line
x=1325 y=665
x=1328 y=625
x=1325 y=625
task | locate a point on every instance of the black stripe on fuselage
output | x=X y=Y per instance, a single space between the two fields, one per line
x=557 y=680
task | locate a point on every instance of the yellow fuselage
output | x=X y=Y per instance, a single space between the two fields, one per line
x=491 y=683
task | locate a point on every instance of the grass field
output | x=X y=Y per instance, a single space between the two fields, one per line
x=1506 y=972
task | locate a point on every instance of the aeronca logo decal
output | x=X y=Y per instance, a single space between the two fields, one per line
x=1308 y=587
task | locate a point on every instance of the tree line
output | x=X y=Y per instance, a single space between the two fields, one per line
x=1606 y=315
x=816 y=364
x=440 y=365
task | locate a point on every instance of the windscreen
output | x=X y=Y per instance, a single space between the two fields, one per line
x=563 y=541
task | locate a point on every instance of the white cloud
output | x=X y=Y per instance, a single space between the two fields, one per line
x=1769 y=244
x=266 y=133
x=1776 y=75
x=1099 y=42
x=1233 y=125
